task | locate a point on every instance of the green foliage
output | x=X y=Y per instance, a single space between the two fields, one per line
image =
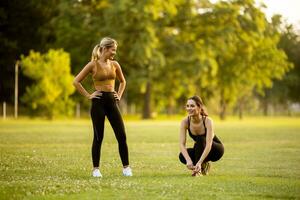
x=244 y=46
x=49 y=95
x=77 y=29
x=287 y=90
x=290 y=43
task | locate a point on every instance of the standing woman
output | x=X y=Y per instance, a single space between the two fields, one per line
x=207 y=146
x=104 y=71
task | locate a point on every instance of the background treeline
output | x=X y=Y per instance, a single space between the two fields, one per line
x=226 y=52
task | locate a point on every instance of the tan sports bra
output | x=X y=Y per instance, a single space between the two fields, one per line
x=103 y=74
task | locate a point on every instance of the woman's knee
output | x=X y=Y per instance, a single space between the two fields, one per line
x=181 y=158
x=121 y=138
x=216 y=154
x=97 y=141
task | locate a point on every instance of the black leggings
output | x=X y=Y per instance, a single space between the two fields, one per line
x=216 y=151
x=107 y=106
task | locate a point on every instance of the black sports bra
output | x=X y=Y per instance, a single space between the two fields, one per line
x=194 y=137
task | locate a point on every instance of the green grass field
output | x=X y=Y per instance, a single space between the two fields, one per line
x=52 y=160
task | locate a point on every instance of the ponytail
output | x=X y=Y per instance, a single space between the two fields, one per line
x=96 y=53
x=203 y=112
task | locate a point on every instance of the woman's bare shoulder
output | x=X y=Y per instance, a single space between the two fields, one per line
x=184 y=121
x=208 y=121
x=115 y=63
x=90 y=64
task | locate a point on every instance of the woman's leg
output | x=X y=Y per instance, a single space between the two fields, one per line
x=114 y=116
x=216 y=151
x=98 y=117
x=199 y=147
x=191 y=153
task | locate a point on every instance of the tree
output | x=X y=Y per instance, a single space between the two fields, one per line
x=24 y=26
x=245 y=48
x=285 y=91
x=189 y=64
x=49 y=95
x=136 y=26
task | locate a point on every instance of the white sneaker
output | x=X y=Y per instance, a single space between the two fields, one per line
x=127 y=171
x=97 y=173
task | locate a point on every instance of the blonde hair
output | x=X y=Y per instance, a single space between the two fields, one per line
x=106 y=42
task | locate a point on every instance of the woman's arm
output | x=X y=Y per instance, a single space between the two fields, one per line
x=121 y=78
x=209 y=140
x=82 y=74
x=182 y=143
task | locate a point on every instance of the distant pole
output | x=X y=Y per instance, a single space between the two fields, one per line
x=78 y=110
x=4 y=110
x=16 y=88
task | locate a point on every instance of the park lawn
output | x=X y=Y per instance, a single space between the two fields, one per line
x=52 y=160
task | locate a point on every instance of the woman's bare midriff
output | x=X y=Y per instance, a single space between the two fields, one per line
x=105 y=86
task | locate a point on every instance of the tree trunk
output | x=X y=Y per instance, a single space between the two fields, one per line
x=223 y=108
x=170 y=106
x=241 y=109
x=286 y=108
x=265 y=107
x=147 y=102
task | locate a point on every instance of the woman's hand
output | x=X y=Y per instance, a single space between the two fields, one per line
x=95 y=95
x=116 y=96
x=197 y=168
x=190 y=165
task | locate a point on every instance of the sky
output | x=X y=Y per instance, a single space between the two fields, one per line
x=289 y=9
